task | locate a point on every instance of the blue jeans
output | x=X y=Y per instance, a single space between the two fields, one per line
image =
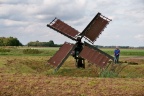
x=116 y=59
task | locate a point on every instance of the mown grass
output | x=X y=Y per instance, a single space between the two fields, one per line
x=38 y=65
x=37 y=85
x=16 y=60
x=30 y=75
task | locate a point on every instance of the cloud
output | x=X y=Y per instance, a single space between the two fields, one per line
x=40 y=11
x=64 y=9
x=12 y=1
x=8 y=22
x=140 y=37
x=27 y=19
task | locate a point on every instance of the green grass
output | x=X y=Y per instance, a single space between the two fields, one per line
x=49 y=51
x=38 y=65
x=125 y=52
x=19 y=51
x=16 y=61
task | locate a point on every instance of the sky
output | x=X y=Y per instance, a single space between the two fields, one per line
x=27 y=20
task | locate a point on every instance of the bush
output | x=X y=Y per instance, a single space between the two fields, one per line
x=4 y=50
x=31 y=51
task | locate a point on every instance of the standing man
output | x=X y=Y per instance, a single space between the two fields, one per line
x=116 y=55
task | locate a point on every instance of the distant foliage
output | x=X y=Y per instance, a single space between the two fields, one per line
x=4 y=50
x=9 y=41
x=31 y=51
x=43 y=44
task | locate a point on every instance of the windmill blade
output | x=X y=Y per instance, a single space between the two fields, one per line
x=95 y=55
x=95 y=27
x=63 y=28
x=61 y=55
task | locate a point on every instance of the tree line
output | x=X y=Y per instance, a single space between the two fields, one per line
x=43 y=44
x=9 y=41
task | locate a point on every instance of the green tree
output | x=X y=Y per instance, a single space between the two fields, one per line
x=10 y=41
x=43 y=44
x=51 y=43
x=1 y=41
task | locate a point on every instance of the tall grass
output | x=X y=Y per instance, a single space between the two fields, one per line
x=31 y=51
x=112 y=70
x=3 y=50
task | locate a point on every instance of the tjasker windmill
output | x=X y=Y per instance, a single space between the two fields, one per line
x=79 y=50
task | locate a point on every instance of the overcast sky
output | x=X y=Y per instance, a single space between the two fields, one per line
x=27 y=20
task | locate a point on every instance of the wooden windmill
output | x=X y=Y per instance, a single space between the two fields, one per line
x=81 y=51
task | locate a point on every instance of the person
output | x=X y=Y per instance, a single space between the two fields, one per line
x=78 y=48
x=80 y=62
x=116 y=55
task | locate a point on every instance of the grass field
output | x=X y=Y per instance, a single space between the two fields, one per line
x=49 y=51
x=27 y=74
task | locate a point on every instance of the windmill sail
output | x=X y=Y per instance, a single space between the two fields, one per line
x=61 y=55
x=63 y=28
x=95 y=27
x=95 y=55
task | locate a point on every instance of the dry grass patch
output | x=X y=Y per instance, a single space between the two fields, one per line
x=31 y=85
